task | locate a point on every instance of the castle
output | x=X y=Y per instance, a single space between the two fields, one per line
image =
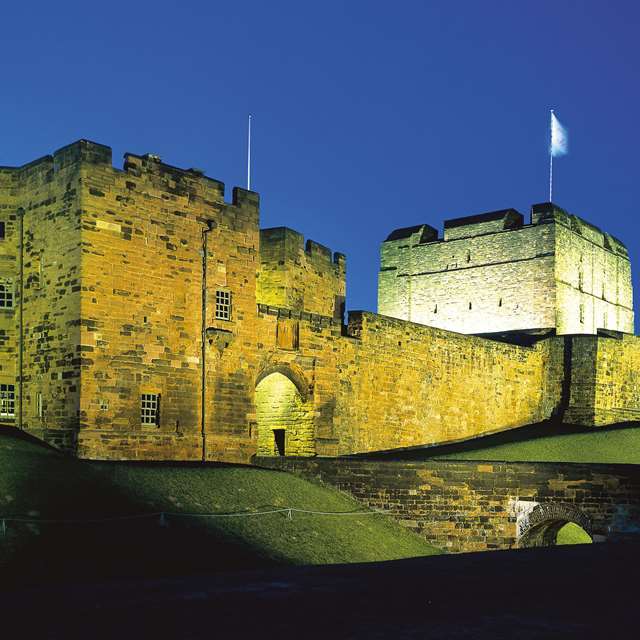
x=142 y=316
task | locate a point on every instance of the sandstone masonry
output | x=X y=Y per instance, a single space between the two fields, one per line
x=493 y=273
x=144 y=316
x=466 y=506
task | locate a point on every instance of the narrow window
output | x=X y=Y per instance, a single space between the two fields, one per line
x=223 y=305
x=469 y=306
x=104 y=404
x=2 y=231
x=603 y=297
x=150 y=408
x=582 y=313
x=7 y=400
x=500 y=302
x=39 y=411
x=468 y=256
x=435 y=309
x=6 y=294
x=580 y=279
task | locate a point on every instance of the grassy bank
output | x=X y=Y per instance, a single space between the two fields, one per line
x=545 y=442
x=39 y=483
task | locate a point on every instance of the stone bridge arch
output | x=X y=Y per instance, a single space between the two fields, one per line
x=284 y=411
x=539 y=525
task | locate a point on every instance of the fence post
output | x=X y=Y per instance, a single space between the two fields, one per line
x=3 y=528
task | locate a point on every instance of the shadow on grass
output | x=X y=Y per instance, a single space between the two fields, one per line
x=38 y=483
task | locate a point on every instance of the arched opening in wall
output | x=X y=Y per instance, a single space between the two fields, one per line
x=555 y=532
x=554 y=524
x=284 y=418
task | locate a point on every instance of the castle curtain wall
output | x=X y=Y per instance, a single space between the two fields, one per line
x=404 y=385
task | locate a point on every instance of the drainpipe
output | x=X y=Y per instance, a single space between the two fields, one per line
x=203 y=355
x=21 y=320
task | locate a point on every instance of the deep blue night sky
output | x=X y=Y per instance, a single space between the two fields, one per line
x=367 y=115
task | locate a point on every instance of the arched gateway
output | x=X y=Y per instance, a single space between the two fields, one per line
x=284 y=413
x=540 y=527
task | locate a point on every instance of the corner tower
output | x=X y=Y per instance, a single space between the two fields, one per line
x=493 y=273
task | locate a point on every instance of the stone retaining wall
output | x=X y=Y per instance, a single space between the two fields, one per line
x=477 y=506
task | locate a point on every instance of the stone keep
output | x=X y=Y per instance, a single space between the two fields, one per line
x=493 y=273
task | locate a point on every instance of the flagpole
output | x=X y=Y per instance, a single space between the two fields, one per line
x=551 y=157
x=249 y=157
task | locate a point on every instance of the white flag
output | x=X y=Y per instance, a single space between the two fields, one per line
x=559 y=138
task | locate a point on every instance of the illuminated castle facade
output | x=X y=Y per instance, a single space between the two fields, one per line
x=143 y=316
x=493 y=273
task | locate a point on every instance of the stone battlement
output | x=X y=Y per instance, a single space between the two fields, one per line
x=143 y=317
x=300 y=276
x=494 y=273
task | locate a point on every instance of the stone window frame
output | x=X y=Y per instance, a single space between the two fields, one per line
x=7 y=294
x=223 y=304
x=7 y=400
x=150 y=409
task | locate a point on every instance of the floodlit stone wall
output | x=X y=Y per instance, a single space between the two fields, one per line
x=139 y=322
x=298 y=276
x=40 y=266
x=403 y=385
x=593 y=279
x=492 y=274
x=465 y=506
x=145 y=232
x=605 y=387
x=391 y=384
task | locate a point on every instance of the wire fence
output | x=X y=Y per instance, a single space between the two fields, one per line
x=163 y=517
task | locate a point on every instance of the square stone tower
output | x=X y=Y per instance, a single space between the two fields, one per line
x=492 y=273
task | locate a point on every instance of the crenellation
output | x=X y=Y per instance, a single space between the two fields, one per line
x=299 y=276
x=494 y=222
x=147 y=318
x=493 y=273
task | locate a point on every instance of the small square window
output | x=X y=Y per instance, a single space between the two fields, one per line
x=6 y=294
x=150 y=408
x=7 y=400
x=2 y=236
x=223 y=305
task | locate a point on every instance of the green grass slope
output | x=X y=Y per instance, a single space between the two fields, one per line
x=544 y=442
x=40 y=484
x=597 y=445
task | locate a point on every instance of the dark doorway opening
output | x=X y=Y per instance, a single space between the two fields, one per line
x=279 y=437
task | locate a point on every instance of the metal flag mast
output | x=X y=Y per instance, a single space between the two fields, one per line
x=551 y=157
x=249 y=157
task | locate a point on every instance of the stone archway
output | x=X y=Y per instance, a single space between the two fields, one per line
x=284 y=414
x=542 y=523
